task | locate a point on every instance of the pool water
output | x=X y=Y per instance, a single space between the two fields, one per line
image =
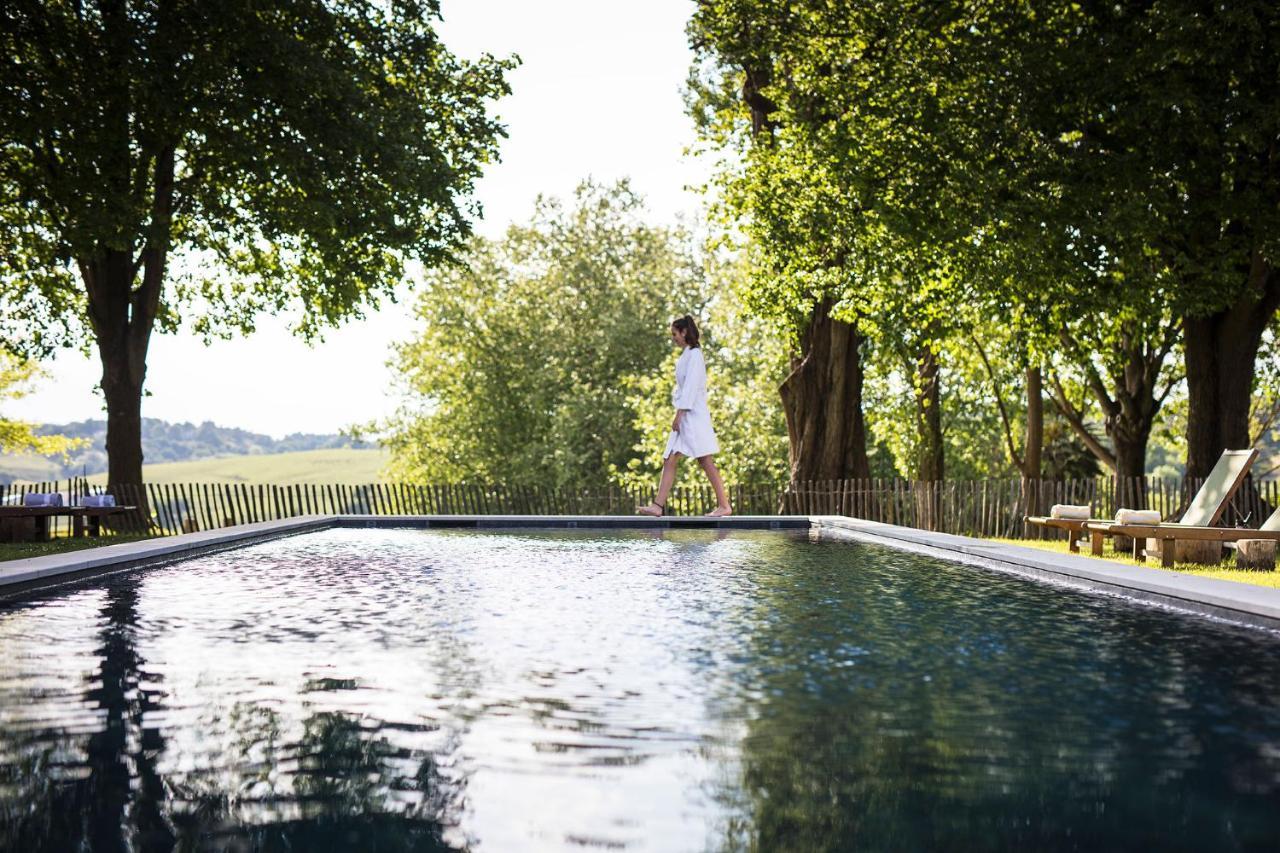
x=399 y=690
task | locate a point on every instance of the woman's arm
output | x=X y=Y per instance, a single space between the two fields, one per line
x=690 y=387
x=694 y=382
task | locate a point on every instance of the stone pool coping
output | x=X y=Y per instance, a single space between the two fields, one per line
x=1236 y=602
x=1221 y=599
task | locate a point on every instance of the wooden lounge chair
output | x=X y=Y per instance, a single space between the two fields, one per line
x=1168 y=535
x=1206 y=508
x=1073 y=526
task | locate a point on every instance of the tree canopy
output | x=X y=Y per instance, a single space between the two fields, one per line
x=544 y=359
x=290 y=153
x=1105 y=172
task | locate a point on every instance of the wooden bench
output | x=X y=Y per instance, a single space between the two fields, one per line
x=31 y=523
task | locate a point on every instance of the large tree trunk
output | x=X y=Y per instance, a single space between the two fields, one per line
x=1131 y=465
x=931 y=459
x=1033 y=447
x=1130 y=398
x=122 y=387
x=931 y=455
x=1221 y=351
x=122 y=317
x=122 y=349
x=1032 y=450
x=822 y=400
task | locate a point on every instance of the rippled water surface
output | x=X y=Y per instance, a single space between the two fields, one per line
x=422 y=690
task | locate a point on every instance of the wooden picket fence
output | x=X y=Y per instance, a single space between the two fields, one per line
x=987 y=508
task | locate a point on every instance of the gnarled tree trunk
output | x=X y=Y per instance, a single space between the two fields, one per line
x=1131 y=462
x=1130 y=398
x=1221 y=352
x=123 y=317
x=822 y=400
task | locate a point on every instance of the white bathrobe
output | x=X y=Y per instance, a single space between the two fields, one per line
x=695 y=438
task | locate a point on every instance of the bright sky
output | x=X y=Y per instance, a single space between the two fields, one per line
x=598 y=94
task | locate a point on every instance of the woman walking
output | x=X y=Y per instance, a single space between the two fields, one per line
x=691 y=432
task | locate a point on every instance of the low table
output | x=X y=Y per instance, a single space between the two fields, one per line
x=14 y=526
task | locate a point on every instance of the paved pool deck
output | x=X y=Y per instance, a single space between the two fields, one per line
x=1234 y=602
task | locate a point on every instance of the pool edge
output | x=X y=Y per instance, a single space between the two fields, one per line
x=18 y=577
x=1236 y=602
x=1255 y=606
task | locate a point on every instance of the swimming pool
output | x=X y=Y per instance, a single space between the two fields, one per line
x=670 y=690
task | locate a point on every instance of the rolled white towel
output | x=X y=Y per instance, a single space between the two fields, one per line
x=42 y=499
x=1137 y=516
x=1072 y=511
x=98 y=500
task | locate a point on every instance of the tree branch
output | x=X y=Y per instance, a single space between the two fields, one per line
x=1075 y=420
x=1109 y=406
x=1004 y=413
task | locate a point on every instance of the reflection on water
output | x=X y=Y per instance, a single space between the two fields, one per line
x=415 y=690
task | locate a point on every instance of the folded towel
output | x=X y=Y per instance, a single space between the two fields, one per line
x=1072 y=511
x=98 y=500
x=42 y=499
x=1137 y=516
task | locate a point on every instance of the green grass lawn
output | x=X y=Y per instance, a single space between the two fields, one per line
x=63 y=544
x=1226 y=571
x=340 y=465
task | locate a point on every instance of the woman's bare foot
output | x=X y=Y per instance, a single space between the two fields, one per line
x=720 y=512
x=652 y=509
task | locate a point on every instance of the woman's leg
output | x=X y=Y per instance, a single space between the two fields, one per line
x=665 y=482
x=668 y=477
x=708 y=464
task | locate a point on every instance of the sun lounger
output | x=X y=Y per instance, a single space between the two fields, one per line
x=1196 y=524
x=1167 y=535
x=1065 y=517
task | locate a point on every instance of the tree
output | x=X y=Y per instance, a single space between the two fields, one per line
x=1124 y=369
x=16 y=374
x=1106 y=161
x=1184 y=111
x=296 y=153
x=528 y=352
x=771 y=190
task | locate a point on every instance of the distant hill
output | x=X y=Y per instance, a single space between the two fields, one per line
x=338 y=465
x=161 y=442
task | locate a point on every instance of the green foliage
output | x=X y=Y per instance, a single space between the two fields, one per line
x=295 y=154
x=1264 y=416
x=16 y=376
x=974 y=443
x=1085 y=174
x=545 y=358
x=746 y=360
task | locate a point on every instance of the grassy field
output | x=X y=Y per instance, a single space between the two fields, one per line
x=345 y=465
x=29 y=468
x=1226 y=571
